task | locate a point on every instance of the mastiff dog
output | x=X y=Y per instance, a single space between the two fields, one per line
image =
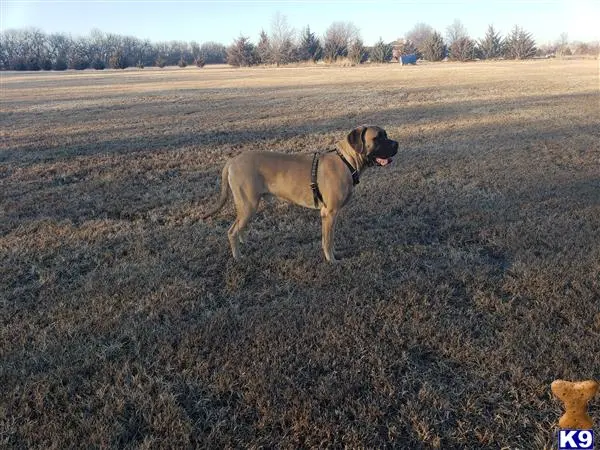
x=321 y=181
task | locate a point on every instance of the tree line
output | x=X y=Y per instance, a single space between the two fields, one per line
x=342 y=40
x=32 y=49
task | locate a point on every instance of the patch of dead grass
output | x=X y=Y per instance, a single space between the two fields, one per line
x=470 y=278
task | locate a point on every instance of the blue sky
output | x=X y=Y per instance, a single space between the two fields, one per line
x=222 y=21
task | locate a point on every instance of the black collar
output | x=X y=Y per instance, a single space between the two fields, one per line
x=353 y=171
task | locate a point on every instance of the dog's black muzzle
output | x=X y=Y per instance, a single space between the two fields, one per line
x=383 y=156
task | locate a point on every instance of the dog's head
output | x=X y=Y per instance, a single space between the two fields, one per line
x=373 y=144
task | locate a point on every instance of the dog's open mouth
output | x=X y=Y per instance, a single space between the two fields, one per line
x=383 y=161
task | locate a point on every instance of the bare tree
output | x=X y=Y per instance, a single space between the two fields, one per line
x=281 y=40
x=38 y=50
x=213 y=52
x=199 y=60
x=179 y=54
x=99 y=47
x=564 y=39
x=8 y=45
x=31 y=49
x=79 y=55
x=587 y=48
x=455 y=31
x=24 y=49
x=59 y=47
x=195 y=50
x=338 y=38
x=145 y=54
x=419 y=34
x=562 y=45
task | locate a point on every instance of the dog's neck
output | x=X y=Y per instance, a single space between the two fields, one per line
x=358 y=161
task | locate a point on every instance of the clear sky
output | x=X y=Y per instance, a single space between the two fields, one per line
x=222 y=21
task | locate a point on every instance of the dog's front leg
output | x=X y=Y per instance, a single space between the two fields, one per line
x=328 y=220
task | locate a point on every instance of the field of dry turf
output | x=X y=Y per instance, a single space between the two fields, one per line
x=469 y=280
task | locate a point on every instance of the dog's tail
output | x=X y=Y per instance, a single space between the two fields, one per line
x=224 y=192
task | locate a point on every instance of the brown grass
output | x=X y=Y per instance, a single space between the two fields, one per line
x=470 y=277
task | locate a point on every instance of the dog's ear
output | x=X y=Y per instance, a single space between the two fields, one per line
x=356 y=139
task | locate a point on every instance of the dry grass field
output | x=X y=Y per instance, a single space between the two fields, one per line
x=469 y=280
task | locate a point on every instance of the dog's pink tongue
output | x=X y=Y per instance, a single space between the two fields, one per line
x=383 y=161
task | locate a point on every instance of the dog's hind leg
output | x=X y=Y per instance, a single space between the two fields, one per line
x=233 y=240
x=246 y=206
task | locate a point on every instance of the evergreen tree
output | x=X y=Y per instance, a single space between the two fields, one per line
x=357 y=52
x=519 y=44
x=434 y=48
x=462 y=49
x=199 y=61
x=381 y=52
x=310 y=47
x=241 y=53
x=491 y=45
x=263 y=49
